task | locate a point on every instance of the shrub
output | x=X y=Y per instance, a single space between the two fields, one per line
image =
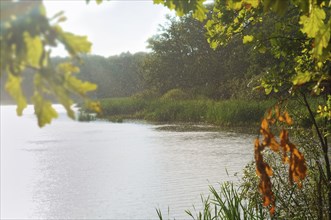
x=147 y=94
x=175 y=94
x=309 y=202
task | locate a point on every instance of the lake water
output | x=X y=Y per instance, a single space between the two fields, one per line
x=103 y=170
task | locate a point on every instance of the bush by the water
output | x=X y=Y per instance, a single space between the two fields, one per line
x=175 y=94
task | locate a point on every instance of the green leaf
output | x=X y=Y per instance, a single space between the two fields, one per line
x=13 y=87
x=247 y=39
x=200 y=12
x=234 y=4
x=267 y=87
x=322 y=39
x=268 y=90
x=301 y=78
x=43 y=110
x=262 y=49
x=312 y=24
x=34 y=49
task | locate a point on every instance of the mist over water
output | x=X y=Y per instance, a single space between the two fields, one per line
x=75 y=170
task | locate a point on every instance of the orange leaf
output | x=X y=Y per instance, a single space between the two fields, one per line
x=269 y=116
x=291 y=155
x=285 y=159
x=272 y=210
x=274 y=144
x=265 y=125
x=281 y=118
x=268 y=170
x=277 y=111
x=266 y=201
x=256 y=144
x=288 y=119
x=283 y=138
x=297 y=153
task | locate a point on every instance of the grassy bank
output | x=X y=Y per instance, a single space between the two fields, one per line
x=226 y=113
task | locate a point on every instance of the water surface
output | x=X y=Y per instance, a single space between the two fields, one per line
x=75 y=170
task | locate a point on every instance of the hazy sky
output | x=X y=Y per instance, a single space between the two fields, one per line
x=113 y=26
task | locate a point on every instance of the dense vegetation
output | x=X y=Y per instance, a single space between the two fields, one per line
x=225 y=113
x=181 y=58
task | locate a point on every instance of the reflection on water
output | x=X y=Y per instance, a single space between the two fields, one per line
x=76 y=170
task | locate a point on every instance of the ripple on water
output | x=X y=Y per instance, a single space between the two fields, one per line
x=101 y=170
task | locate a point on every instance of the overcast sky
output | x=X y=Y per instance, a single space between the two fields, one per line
x=113 y=27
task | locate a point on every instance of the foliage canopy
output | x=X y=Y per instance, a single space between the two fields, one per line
x=27 y=36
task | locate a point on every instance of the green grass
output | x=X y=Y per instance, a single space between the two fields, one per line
x=226 y=203
x=236 y=112
x=228 y=113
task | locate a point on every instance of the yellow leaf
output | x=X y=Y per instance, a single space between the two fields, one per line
x=301 y=78
x=247 y=39
x=74 y=44
x=322 y=39
x=94 y=106
x=67 y=68
x=63 y=97
x=312 y=24
x=13 y=87
x=77 y=44
x=80 y=86
x=235 y=5
x=34 y=49
x=43 y=110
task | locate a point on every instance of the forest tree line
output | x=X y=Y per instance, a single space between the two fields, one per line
x=180 y=58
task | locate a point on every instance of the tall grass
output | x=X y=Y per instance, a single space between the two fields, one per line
x=227 y=203
x=230 y=112
x=236 y=112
